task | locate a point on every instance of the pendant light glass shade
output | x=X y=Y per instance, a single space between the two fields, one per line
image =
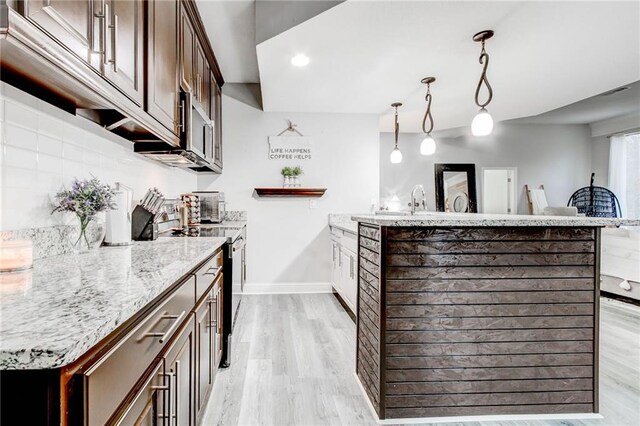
x=482 y=124
x=428 y=146
x=396 y=156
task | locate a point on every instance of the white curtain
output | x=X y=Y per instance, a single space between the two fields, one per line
x=618 y=170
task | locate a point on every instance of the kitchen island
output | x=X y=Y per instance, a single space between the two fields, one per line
x=468 y=314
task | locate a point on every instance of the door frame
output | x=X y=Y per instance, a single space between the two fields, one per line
x=513 y=197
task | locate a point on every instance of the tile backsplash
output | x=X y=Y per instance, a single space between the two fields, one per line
x=42 y=148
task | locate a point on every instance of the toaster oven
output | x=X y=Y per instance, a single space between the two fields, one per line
x=212 y=206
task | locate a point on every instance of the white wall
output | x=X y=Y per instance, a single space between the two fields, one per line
x=557 y=156
x=287 y=241
x=43 y=148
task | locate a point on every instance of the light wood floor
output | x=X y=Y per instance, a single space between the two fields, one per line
x=294 y=358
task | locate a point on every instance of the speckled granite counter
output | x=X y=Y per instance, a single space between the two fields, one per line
x=488 y=220
x=343 y=222
x=68 y=303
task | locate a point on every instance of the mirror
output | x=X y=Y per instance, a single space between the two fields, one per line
x=456 y=188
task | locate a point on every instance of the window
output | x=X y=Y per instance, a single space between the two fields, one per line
x=624 y=172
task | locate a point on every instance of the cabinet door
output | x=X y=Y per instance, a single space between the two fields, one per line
x=124 y=50
x=217 y=326
x=147 y=408
x=162 y=63
x=335 y=264
x=198 y=67
x=181 y=368
x=70 y=22
x=187 y=47
x=204 y=353
x=216 y=117
x=351 y=283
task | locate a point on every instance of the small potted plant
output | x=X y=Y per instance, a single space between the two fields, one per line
x=296 y=172
x=287 y=173
x=86 y=198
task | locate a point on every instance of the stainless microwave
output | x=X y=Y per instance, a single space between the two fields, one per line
x=196 y=138
x=197 y=129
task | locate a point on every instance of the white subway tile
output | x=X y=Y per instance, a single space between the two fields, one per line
x=72 y=152
x=49 y=145
x=1 y=109
x=49 y=163
x=51 y=126
x=50 y=182
x=72 y=170
x=17 y=177
x=16 y=157
x=18 y=114
x=20 y=137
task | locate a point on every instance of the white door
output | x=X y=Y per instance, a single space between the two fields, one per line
x=499 y=190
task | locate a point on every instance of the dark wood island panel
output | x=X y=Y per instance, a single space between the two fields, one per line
x=477 y=321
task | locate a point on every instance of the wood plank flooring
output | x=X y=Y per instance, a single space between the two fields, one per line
x=294 y=358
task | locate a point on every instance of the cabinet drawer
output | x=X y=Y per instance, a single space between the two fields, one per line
x=107 y=382
x=208 y=273
x=147 y=406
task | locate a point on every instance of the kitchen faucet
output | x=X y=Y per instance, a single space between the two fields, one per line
x=414 y=202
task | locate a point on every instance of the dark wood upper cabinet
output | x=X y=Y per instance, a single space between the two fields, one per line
x=187 y=48
x=70 y=22
x=216 y=116
x=162 y=63
x=124 y=48
x=118 y=63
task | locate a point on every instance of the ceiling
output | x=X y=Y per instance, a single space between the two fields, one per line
x=366 y=55
x=596 y=108
x=231 y=27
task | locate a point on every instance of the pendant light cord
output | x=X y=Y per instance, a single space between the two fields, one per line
x=484 y=59
x=397 y=128
x=427 y=114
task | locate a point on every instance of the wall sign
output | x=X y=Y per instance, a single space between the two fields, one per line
x=290 y=148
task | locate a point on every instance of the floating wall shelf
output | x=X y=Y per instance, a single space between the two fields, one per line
x=290 y=192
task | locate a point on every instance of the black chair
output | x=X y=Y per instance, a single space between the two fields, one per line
x=595 y=201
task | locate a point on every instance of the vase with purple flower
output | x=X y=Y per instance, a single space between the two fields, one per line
x=86 y=199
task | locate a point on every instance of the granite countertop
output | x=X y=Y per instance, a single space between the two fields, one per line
x=54 y=313
x=343 y=222
x=482 y=220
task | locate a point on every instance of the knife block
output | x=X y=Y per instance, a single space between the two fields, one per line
x=142 y=226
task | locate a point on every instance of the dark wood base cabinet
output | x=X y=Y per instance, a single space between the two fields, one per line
x=478 y=321
x=156 y=369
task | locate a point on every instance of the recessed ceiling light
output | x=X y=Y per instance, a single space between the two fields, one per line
x=300 y=60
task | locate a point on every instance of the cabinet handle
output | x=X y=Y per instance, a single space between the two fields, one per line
x=212 y=301
x=182 y=112
x=114 y=39
x=177 y=414
x=214 y=269
x=166 y=398
x=164 y=336
x=102 y=33
x=340 y=256
x=350 y=267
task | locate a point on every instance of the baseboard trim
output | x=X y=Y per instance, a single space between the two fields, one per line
x=287 y=288
x=470 y=419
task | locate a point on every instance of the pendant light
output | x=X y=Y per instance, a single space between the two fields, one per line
x=482 y=124
x=428 y=145
x=396 y=155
